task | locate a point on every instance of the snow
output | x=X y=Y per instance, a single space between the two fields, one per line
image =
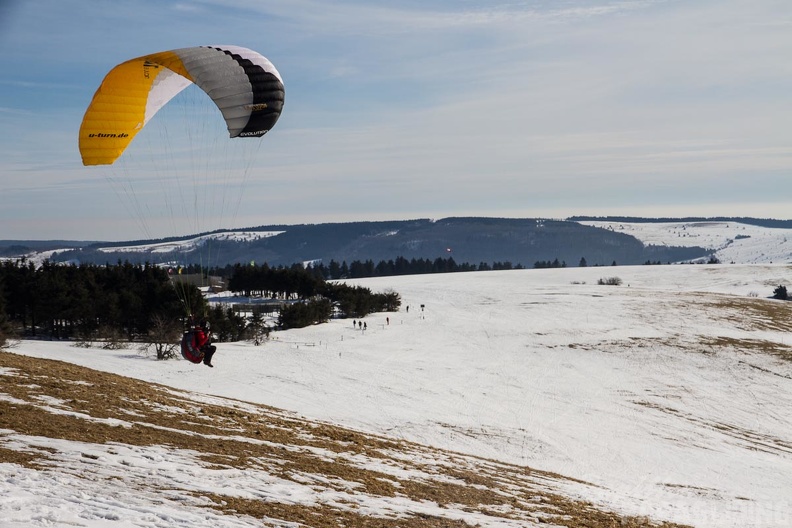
x=668 y=393
x=732 y=242
x=190 y=244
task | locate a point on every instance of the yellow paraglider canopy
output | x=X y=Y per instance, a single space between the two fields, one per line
x=243 y=84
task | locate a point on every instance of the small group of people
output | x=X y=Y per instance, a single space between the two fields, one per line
x=361 y=324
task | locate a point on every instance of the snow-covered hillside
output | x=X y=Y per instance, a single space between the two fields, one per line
x=733 y=242
x=191 y=244
x=669 y=393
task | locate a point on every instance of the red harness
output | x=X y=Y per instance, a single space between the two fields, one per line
x=189 y=349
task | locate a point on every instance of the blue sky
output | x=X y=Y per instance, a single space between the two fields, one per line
x=417 y=109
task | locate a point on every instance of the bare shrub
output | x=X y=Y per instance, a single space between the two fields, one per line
x=164 y=337
x=111 y=338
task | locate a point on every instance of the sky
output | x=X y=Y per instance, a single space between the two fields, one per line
x=407 y=109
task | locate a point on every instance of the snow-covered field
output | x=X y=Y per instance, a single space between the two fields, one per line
x=670 y=392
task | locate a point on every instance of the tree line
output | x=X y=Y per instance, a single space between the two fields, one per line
x=401 y=266
x=134 y=302
x=64 y=301
x=319 y=298
x=358 y=269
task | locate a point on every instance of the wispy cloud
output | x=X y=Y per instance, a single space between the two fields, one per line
x=521 y=104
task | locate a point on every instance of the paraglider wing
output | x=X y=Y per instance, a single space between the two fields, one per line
x=243 y=84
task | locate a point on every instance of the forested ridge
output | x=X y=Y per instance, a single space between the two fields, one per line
x=521 y=242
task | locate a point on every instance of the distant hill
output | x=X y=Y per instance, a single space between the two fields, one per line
x=739 y=241
x=761 y=222
x=467 y=240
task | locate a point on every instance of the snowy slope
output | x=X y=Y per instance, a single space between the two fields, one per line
x=733 y=242
x=86 y=448
x=191 y=244
x=670 y=393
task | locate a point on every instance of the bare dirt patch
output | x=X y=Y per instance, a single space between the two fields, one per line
x=750 y=313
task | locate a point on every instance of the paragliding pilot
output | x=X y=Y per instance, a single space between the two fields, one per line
x=196 y=345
